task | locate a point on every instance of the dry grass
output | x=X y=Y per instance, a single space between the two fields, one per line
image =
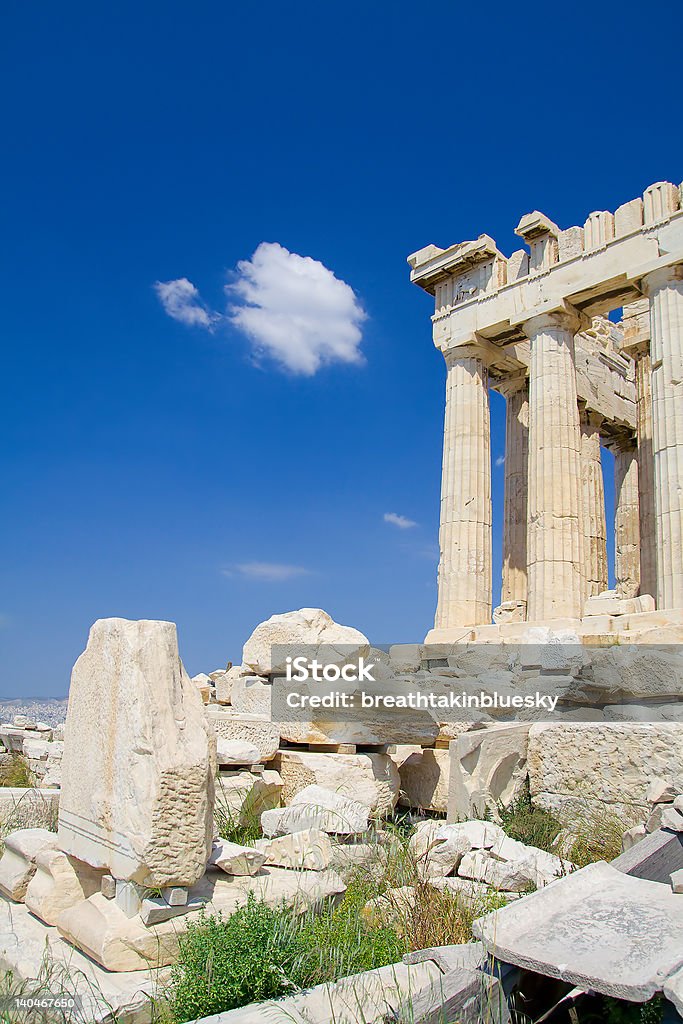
x=15 y=772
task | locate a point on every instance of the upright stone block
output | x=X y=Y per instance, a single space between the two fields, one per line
x=139 y=758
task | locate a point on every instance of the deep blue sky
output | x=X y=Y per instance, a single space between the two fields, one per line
x=155 y=141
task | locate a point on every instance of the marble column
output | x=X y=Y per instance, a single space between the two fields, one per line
x=626 y=521
x=646 y=482
x=593 y=496
x=516 y=392
x=555 y=525
x=465 y=531
x=664 y=288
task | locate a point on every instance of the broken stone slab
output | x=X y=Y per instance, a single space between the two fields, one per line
x=488 y=770
x=425 y=779
x=518 y=871
x=369 y=779
x=255 y=729
x=18 y=862
x=27 y=943
x=241 y=797
x=660 y=792
x=677 y=881
x=98 y=927
x=597 y=928
x=438 y=847
x=251 y=695
x=59 y=882
x=306 y=627
x=632 y=836
x=139 y=805
x=467 y=889
x=315 y=807
x=223 y=681
x=155 y=910
x=310 y=850
x=654 y=857
x=235 y=859
x=236 y=752
x=664 y=816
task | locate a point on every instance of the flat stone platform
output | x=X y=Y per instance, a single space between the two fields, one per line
x=597 y=928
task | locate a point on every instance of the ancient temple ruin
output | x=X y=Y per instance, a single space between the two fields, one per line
x=534 y=327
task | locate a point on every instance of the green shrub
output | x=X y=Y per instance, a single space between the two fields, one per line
x=228 y=962
x=16 y=772
x=530 y=825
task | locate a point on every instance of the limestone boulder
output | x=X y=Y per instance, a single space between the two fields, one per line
x=369 y=779
x=315 y=807
x=580 y=767
x=438 y=847
x=231 y=752
x=310 y=627
x=137 y=792
x=18 y=861
x=251 y=695
x=424 y=778
x=242 y=797
x=235 y=859
x=488 y=770
x=255 y=729
x=223 y=682
x=512 y=866
x=59 y=882
x=204 y=685
x=310 y=850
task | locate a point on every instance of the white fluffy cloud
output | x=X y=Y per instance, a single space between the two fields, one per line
x=293 y=309
x=181 y=301
x=402 y=522
x=268 y=572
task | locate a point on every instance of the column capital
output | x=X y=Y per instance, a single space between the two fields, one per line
x=660 y=277
x=468 y=346
x=551 y=314
x=509 y=386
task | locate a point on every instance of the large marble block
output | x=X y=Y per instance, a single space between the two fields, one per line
x=139 y=758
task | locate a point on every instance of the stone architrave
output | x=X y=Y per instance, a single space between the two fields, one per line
x=665 y=290
x=139 y=758
x=465 y=532
x=555 y=539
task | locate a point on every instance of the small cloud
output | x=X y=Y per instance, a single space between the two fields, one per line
x=295 y=310
x=500 y=461
x=181 y=301
x=402 y=522
x=267 y=572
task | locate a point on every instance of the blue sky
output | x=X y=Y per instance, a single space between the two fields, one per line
x=193 y=471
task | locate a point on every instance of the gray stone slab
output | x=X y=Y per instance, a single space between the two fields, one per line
x=655 y=857
x=597 y=928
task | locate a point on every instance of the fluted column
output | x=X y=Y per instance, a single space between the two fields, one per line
x=646 y=482
x=593 y=496
x=555 y=530
x=465 y=531
x=516 y=393
x=665 y=290
x=626 y=521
